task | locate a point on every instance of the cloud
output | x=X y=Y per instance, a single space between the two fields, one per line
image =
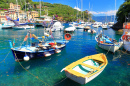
x=77 y=8
x=111 y=12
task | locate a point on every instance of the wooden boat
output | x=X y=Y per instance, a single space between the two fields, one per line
x=37 y=49
x=86 y=69
x=107 y=43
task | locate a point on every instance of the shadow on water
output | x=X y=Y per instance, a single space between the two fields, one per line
x=39 y=62
x=66 y=82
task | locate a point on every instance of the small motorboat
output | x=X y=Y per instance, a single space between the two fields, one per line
x=86 y=28
x=70 y=29
x=95 y=25
x=107 y=43
x=23 y=27
x=86 y=69
x=110 y=24
x=92 y=31
x=104 y=26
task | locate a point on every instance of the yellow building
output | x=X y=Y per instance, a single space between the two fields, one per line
x=15 y=7
x=31 y=15
x=34 y=14
x=2 y=16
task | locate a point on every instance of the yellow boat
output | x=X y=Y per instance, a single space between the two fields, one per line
x=86 y=69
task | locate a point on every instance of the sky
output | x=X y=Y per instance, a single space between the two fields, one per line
x=96 y=7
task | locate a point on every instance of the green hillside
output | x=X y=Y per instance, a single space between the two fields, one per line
x=64 y=11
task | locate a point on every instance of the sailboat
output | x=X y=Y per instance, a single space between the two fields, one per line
x=104 y=26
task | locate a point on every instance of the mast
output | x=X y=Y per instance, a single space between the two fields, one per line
x=77 y=10
x=115 y=11
x=17 y=8
x=40 y=7
x=81 y=9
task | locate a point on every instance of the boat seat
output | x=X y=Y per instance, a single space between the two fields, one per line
x=71 y=71
x=86 y=65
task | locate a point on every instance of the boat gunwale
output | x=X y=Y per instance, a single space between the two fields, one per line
x=69 y=68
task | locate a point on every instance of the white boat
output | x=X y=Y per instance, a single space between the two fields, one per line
x=104 y=26
x=57 y=26
x=88 y=24
x=110 y=24
x=86 y=69
x=86 y=27
x=91 y=31
x=107 y=43
x=126 y=36
x=70 y=29
x=95 y=25
x=72 y=23
x=7 y=25
x=80 y=26
x=23 y=27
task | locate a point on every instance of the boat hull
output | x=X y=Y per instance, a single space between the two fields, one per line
x=23 y=27
x=19 y=55
x=81 y=80
x=126 y=45
x=7 y=27
x=111 y=48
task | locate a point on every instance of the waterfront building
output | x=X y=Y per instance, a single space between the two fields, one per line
x=2 y=16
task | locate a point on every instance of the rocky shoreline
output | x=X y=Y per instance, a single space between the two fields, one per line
x=117 y=26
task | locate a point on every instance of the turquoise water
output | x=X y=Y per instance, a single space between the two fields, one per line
x=46 y=71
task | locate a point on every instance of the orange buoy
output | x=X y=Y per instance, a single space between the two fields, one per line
x=124 y=37
x=67 y=36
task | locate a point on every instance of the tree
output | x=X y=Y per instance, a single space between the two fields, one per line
x=123 y=11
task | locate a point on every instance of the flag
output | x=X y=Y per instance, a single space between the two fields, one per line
x=53 y=17
x=16 y=23
x=17 y=19
x=51 y=22
x=26 y=37
x=50 y=32
x=30 y=35
x=8 y=18
x=44 y=22
x=14 y=42
x=56 y=15
x=51 y=36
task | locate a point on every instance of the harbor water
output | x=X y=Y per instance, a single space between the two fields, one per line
x=46 y=71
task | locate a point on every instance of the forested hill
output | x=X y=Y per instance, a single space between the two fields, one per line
x=64 y=11
x=123 y=11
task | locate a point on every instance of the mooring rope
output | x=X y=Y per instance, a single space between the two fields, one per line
x=36 y=76
x=5 y=57
x=60 y=81
x=30 y=72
